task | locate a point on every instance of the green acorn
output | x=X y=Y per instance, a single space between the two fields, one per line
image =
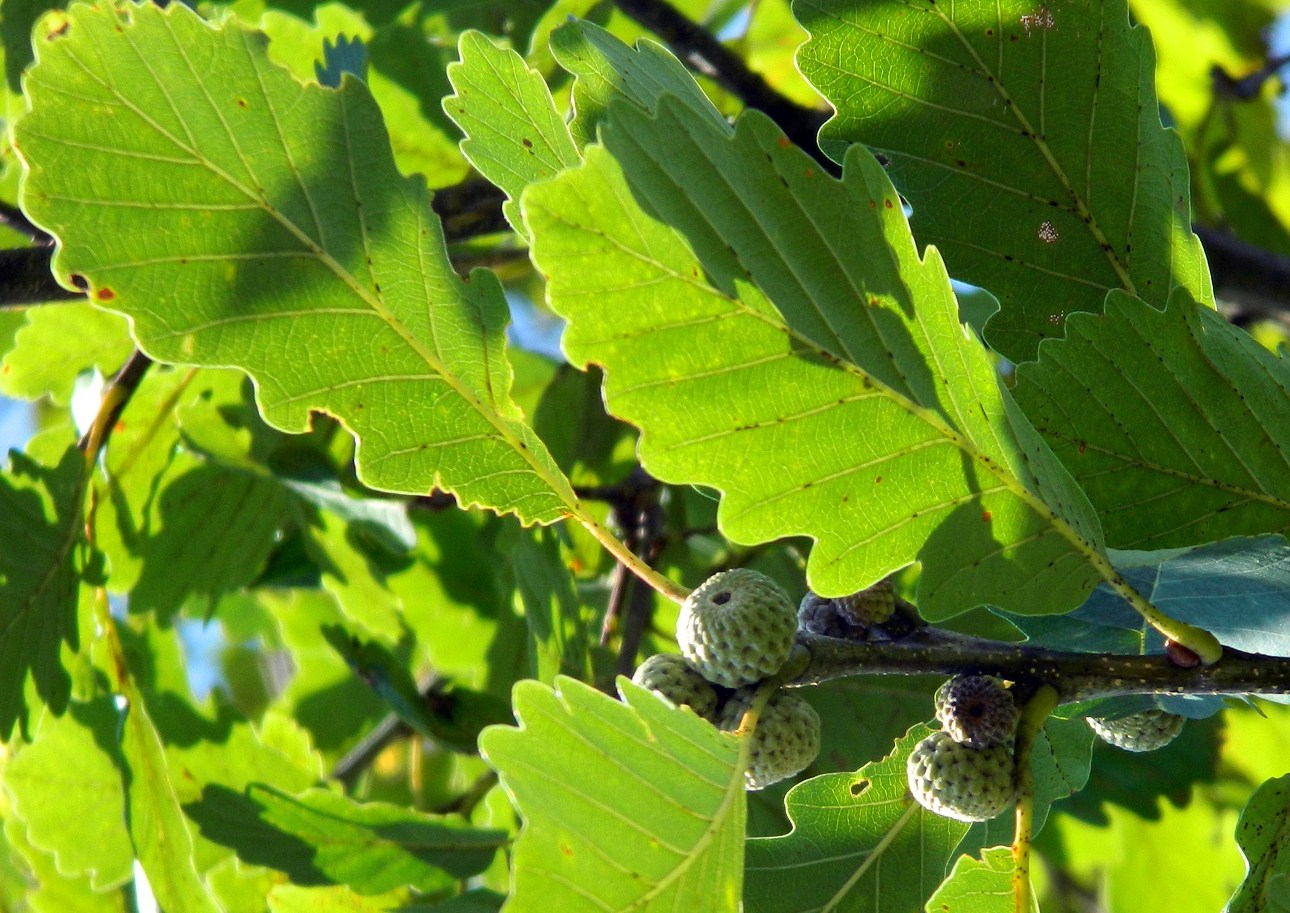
x=977 y=710
x=959 y=781
x=786 y=740
x=737 y=628
x=671 y=676
x=1144 y=731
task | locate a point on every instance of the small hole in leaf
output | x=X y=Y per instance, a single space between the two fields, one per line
x=859 y=788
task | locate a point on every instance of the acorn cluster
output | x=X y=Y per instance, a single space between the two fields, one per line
x=735 y=631
x=965 y=769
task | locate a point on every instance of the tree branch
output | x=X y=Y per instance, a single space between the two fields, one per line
x=1076 y=676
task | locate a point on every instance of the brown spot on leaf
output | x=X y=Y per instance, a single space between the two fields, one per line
x=105 y=294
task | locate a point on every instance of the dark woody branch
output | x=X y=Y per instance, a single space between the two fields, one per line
x=1076 y=676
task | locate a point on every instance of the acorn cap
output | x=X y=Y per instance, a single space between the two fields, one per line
x=737 y=628
x=977 y=710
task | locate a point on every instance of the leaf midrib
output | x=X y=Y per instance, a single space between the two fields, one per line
x=316 y=250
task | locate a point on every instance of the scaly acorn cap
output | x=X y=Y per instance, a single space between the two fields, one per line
x=977 y=710
x=959 y=781
x=737 y=628
x=786 y=740
x=671 y=676
x=1143 y=731
x=871 y=606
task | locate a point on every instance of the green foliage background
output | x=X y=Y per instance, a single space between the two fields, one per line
x=344 y=465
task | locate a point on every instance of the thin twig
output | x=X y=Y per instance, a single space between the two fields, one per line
x=1245 y=88
x=25 y=278
x=1034 y=714
x=116 y=396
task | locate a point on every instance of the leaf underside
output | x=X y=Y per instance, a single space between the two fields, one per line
x=1027 y=139
x=627 y=806
x=1176 y=423
x=242 y=218
x=775 y=335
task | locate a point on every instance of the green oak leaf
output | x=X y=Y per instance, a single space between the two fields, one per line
x=1027 y=139
x=851 y=833
x=1262 y=835
x=1176 y=423
x=68 y=773
x=56 y=344
x=776 y=335
x=514 y=135
x=978 y=885
x=242 y=218
x=40 y=565
x=324 y=838
x=627 y=806
x=607 y=70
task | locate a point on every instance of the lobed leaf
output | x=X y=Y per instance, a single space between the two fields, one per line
x=978 y=885
x=1262 y=835
x=242 y=218
x=66 y=774
x=775 y=335
x=1176 y=423
x=607 y=70
x=514 y=135
x=627 y=806
x=1027 y=139
x=859 y=843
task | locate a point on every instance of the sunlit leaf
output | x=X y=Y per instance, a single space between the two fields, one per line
x=65 y=775
x=251 y=220
x=1027 y=139
x=56 y=344
x=633 y=805
x=730 y=290
x=514 y=135
x=978 y=885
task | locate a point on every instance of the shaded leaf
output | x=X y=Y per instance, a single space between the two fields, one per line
x=1262 y=834
x=559 y=635
x=859 y=843
x=1006 y=126
x=159 y=832
x=1236 y=589
x=311 y=263
x=607 y=70
x=633 y=805
x=1176 y=424
x=323 y=838
x=730 y=290
x=514 y=135
x=40 y=526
